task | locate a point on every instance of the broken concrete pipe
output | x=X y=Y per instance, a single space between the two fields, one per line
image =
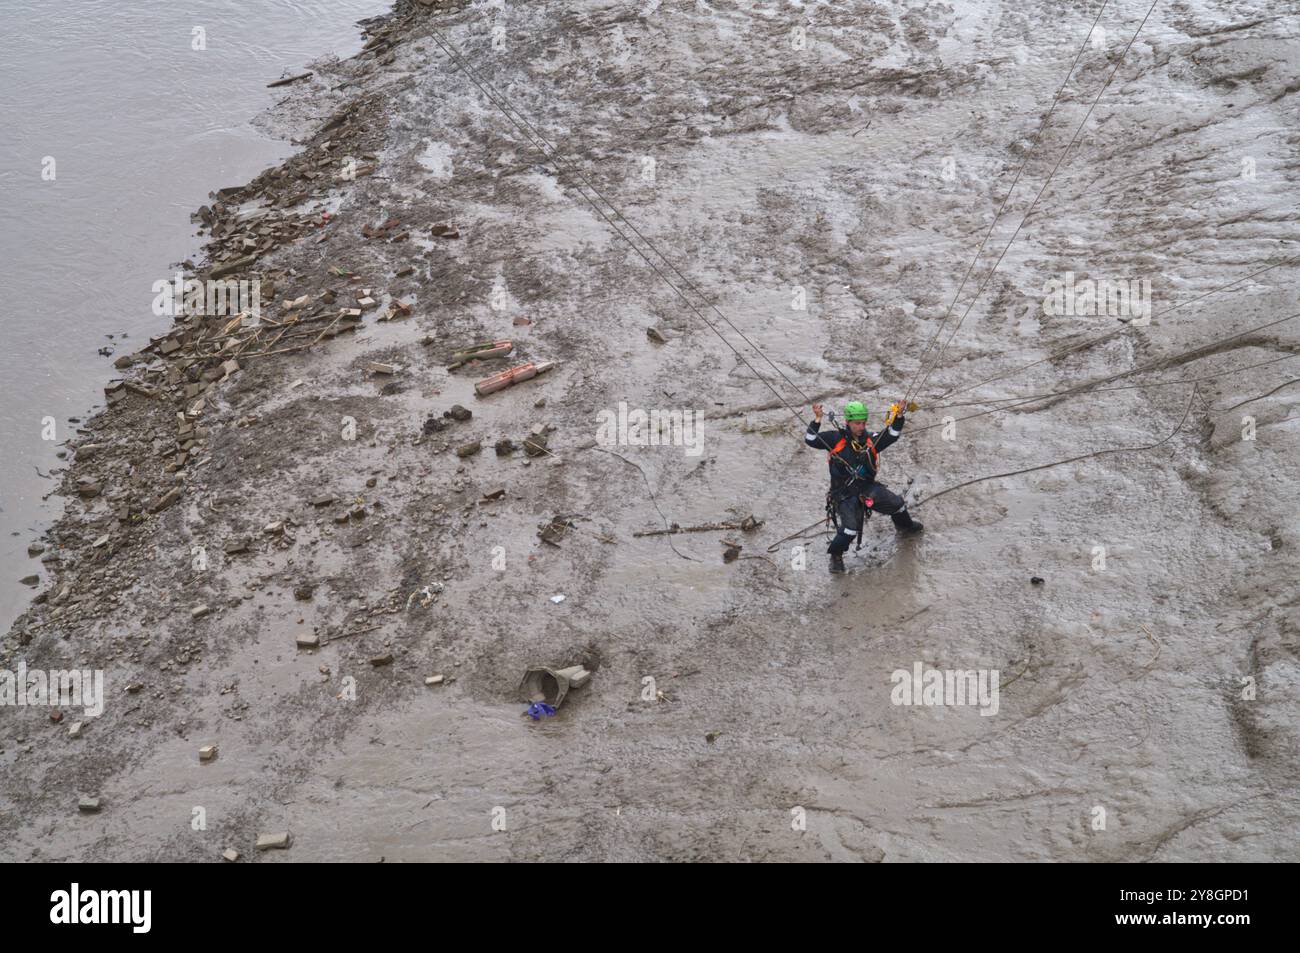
x=549 y=685
x=508 y=378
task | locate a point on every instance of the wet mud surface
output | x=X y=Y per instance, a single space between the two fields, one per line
x=774 y=169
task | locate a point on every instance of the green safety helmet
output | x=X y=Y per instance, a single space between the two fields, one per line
x=855 y=410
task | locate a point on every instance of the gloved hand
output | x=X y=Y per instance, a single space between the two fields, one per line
x=898 y=421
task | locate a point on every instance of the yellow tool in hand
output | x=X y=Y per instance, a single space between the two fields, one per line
x=896 y=409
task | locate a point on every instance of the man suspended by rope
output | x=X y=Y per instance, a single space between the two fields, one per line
x=854 y=457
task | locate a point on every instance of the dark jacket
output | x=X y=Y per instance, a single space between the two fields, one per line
x=852 y=470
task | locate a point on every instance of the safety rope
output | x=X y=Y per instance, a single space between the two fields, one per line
x=551 y=152
x=1007 y=198
x=541 y=144
x=1102 y=338
x=529 y=131
x=1034 y=204
x=1104 y=390
x=1150 y=365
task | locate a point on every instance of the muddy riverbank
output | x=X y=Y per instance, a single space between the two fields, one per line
x=112 y=138
x=252 y=488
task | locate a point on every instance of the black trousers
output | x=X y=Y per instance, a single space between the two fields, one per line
x=851 y=512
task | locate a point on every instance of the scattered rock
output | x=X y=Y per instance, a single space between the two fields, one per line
x=469 y=449
x=167 y=499
x=535 y=444
x=89 y=805
x=208 y=753
x=457 y=412
x=232 y=266
x=279 y=841
x=551 y=533
x=198 y=612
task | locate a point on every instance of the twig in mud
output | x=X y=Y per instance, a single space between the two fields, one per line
x=1158 y=646
x=344 y=635
x=811 y=526
x=287 y=80
x=327 y=330
x=702 y=528
x=289 y=350
x=537 y=446
x=249 y=340
x=281 y=350
x=913 y=615
x=653 y=500
x=1016 y=676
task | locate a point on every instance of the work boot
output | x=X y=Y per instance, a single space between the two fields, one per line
x=911 y=528
x=837 y=563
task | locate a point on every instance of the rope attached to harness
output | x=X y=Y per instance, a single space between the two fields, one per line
x=833 y=516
